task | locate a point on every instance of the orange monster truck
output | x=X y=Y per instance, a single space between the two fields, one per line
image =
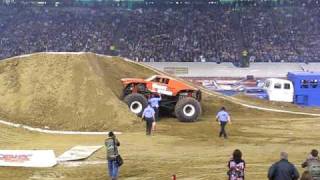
x=177 y=97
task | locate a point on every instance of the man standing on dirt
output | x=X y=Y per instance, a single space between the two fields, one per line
x=112 y=144
x=149 y=116
x=283 y=169
x=155 y=101
x=223 y=118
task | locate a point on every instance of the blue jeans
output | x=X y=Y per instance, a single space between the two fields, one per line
x=113 y=169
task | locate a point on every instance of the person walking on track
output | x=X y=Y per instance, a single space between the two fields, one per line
x=149 y=116
x=223 y=118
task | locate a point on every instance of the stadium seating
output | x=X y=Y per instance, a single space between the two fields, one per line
x=185 y=34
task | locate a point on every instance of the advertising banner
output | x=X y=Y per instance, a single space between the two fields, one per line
x=27 y=158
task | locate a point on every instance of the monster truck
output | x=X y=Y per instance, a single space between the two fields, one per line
x=177 y=97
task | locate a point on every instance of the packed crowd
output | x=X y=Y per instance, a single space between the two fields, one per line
x=218 y=34
x=282 y=34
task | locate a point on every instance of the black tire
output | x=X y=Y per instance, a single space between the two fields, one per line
x=187 y=109
x=136 y=103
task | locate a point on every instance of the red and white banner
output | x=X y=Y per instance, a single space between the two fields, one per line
x=27 y=158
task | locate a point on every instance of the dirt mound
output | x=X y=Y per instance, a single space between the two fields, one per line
x=70 y=92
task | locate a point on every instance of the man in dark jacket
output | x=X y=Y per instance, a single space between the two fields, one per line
x=283 y=169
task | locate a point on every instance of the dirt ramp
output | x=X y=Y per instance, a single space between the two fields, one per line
x=71 y=92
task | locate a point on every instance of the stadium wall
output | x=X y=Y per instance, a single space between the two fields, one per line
x=228 y=70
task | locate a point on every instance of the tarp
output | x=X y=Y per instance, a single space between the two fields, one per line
x=27 y=158
x=78 y=153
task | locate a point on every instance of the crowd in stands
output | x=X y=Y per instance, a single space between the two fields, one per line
x=206 y=34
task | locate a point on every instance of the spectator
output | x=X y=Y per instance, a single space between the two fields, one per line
x=236 y=166
x=312 y=163
x=283 y=169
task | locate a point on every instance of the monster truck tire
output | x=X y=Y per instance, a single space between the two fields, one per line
x=187 y=109
x=136 y=103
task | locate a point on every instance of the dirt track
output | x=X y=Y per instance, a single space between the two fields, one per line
x=192 y=151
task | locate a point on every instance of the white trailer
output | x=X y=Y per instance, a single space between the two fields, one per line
x=279 y=89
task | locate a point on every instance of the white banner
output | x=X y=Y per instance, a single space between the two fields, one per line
x=78 y=153
x=28 y=158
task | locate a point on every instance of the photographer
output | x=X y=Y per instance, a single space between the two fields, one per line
x=112 y=144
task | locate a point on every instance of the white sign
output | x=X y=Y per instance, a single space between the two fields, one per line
x=78 y=153
x=169 y=93
x=27 y=158
x=161 y=89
